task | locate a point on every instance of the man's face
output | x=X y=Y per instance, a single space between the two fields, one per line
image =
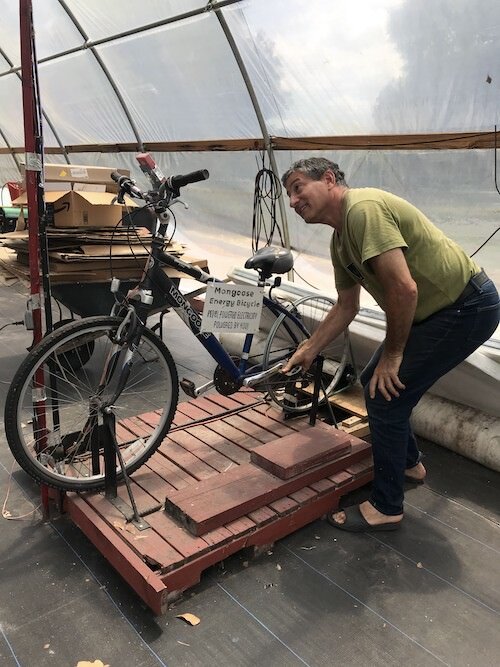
x=308 y=197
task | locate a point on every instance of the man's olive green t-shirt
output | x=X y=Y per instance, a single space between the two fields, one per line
x=374 y=222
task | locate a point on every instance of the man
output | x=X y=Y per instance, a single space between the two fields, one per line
x=439 y=306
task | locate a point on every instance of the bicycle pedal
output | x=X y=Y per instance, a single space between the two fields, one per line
x=188 y=387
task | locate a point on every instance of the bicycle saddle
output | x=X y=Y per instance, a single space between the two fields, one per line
x=270 y=260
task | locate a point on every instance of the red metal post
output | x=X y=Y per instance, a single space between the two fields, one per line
x=34 y=159
x=34 y=178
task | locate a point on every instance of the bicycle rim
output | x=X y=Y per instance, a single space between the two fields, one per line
x=49 y=421
x=295 y=394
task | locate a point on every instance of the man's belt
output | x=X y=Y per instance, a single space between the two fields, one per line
x=474 y=285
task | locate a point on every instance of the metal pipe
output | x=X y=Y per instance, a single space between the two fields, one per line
x=126 y=33
x=106 y=74
x=258 y=113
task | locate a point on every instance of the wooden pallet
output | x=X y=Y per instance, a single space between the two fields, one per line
x=211 y=437
x=352 y=402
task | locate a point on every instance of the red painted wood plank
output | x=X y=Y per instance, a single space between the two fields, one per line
x=229 y=449
x=233 y=434
x=249 y=428
x=179 y=538
x=199 y=449
x=360 y=468
x=188 y=575
x=230 y=495
x=123 y=435
x=186 y=544
x=323 y=486
x=137 y=426
x=146 y=543
x=172 y=474
x=278 y=428
x=294 y=454
x=180 y=419
x=148 y=476
x=127 y=563
x=211 y=408
x=244 y=397
x=262 y=516
x=191 y=464
x=340 y=478
x=304 y=495
x=192 y=411
x=240 y=526
x=150 y=418
x=218 y=536
x=202 y=487
x=278 y=416
x=284 y=506
x=168 y=545
x=222 y=403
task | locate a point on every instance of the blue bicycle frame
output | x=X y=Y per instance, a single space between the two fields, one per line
x=154 y=276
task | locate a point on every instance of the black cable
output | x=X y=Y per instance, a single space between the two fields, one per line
x=140 y=261
x=303 y=279
x=495 y=180
x=11 y=324
x=495 y=162
x=483 y=244
x=264 y=220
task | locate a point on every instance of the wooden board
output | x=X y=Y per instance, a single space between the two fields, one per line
x=232 y=494
x=292 y=455
x=351 y=400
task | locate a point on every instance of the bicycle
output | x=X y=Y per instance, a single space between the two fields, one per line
x=113 y=372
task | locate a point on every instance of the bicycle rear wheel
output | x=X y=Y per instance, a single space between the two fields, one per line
x=295 y=394
x=49 y=423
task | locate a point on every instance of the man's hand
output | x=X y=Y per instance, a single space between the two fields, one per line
x=336 y=321
x=385 y=377
x=302 y=357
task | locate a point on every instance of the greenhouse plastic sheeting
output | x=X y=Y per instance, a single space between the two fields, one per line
x=159 y=71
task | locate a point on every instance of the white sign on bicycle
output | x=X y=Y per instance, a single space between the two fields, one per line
x=232 y=308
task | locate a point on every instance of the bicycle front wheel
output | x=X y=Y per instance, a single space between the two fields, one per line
x=295 y=394
x=50 y=419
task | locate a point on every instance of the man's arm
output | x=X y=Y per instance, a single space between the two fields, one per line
x=336 y=321
x=400 y=299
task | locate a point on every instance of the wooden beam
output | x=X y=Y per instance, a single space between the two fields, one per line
x=379 y=142
x=434 y=141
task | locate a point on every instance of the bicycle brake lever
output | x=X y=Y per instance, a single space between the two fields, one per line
x=179 y=201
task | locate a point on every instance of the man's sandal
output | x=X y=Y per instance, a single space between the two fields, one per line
x=414 y=480
x=355 y=522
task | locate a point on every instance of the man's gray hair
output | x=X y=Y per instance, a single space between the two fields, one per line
x=315 y=167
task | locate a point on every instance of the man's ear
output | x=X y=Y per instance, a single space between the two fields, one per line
x=329 y=177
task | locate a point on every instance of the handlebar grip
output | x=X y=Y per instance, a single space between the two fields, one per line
x=126 y=184
x=181 y=180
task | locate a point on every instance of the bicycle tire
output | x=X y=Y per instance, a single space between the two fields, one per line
x=284 y=337
x=49 y=402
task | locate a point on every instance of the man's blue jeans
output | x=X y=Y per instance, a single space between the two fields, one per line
x=434 y=347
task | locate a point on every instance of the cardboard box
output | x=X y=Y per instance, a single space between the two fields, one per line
x=85 y=196
x=74 y=173
x=81 y=208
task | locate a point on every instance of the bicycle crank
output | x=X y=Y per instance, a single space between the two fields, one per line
x=224 y=383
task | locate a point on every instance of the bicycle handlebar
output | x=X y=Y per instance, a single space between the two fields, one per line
x=176 y=182
x=127 y=184
x=173 y=183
